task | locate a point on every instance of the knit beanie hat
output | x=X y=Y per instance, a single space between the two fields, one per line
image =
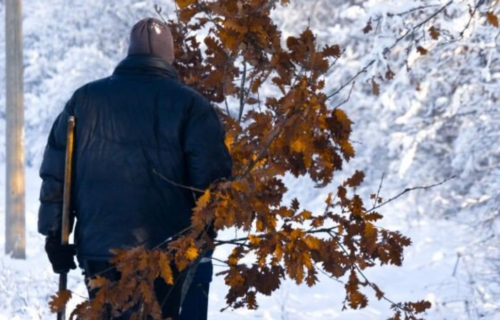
x=152 y=36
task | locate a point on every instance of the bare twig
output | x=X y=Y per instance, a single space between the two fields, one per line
x=177 y=184
x=224 y=92
x=416 y=9
x=351 y=80
x=242 y=91
x=158 y=10
x=330 y=276
x=334 y=62
x=74 y=294
x=409 y=190
x=414 y=29
x=369 y=64
x=219 y=260
x=472 y=14
x=348 y=96
x=378 y=191
x=456 y=265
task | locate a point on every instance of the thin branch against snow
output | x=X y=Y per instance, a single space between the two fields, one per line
x=411 y=31
x=405 y=191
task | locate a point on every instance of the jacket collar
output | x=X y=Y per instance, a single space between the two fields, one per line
x=145 y=64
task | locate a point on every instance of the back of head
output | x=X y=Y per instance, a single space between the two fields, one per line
x=152 y=36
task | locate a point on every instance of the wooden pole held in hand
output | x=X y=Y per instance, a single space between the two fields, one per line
x=66 y=219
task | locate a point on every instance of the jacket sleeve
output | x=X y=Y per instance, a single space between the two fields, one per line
x=206 y=154
x=52 y=174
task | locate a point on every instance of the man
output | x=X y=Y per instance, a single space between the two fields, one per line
x=132 y=128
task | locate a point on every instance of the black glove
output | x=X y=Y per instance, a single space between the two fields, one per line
x=61 y=256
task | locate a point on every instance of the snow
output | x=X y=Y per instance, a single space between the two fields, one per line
x=437 y=120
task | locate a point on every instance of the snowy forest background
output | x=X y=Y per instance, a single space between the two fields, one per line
x=439 y=117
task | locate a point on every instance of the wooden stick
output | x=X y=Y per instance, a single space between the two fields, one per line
x=63 y=277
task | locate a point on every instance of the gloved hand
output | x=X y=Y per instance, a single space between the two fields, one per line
x=61 y=256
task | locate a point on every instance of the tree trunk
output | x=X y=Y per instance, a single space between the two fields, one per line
x=15 y=241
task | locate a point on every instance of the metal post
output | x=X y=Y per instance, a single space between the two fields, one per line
x=15 y=241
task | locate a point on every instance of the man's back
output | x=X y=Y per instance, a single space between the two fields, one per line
x=132 y=127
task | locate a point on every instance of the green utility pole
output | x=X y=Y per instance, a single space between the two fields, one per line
x=15 y=235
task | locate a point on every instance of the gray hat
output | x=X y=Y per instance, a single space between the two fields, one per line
x=152 y=36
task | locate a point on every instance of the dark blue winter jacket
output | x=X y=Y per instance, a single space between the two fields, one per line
x=132 y=127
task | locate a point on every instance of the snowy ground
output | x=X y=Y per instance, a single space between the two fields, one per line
x=430 y=271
